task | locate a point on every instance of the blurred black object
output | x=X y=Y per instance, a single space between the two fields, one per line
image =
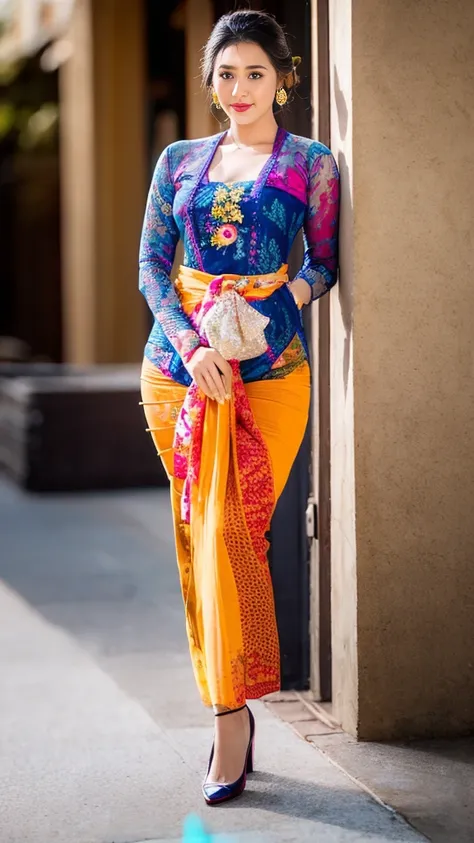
x=288 y=558
x=71 y=429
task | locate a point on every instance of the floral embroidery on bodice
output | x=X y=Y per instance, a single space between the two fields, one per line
x=226 y=211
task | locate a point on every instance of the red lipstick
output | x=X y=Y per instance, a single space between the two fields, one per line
x=240 y=106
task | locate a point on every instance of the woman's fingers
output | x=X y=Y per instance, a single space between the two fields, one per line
x=215 y=379
x=300 y=290
x=226 y=373
x=201 y=383
x=207 y=376
x=212 y=373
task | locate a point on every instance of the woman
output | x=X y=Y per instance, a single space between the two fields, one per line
x=225 y=379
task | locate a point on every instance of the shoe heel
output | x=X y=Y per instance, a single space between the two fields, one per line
x=250 y=757
x=251 y=753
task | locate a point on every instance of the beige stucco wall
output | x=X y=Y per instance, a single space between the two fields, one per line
x=413 y=373
x=343 y=543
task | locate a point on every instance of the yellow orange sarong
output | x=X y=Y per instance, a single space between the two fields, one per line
x=230 y=464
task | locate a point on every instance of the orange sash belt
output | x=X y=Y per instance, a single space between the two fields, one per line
x=220 y=310
x=192 y=285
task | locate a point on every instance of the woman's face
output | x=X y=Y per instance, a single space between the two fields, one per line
x=244 y=76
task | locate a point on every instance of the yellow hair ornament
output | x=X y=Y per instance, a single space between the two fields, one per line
x=292 y=78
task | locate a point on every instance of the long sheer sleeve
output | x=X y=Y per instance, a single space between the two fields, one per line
x=158 y=243
x=320 y=227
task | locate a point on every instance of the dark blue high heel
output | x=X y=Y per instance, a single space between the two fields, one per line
x=214 y=792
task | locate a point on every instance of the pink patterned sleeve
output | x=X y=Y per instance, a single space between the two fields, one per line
x=321 y=226
x=160 y=235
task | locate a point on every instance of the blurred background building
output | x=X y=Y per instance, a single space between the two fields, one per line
x=90 y=93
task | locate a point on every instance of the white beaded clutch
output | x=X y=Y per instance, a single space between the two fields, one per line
x=234 y=328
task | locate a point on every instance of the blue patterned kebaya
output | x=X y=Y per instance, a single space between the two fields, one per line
x=245 y=228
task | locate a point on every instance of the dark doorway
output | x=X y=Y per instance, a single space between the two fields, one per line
x=166 y=67
x=30 y=276
x=165 y=102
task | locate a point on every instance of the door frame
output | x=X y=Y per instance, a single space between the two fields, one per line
x=319 y=504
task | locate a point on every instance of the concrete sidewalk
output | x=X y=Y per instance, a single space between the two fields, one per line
x=103 y=737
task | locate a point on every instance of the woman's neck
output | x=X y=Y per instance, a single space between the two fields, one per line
x=259 y=133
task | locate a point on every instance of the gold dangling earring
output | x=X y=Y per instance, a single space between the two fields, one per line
x=281 y=96
x=215 y=100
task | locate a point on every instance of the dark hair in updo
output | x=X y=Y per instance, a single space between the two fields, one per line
x=250 y=27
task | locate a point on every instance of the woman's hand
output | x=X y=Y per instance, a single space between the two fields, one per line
x=212 y=373
x=301 y=291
